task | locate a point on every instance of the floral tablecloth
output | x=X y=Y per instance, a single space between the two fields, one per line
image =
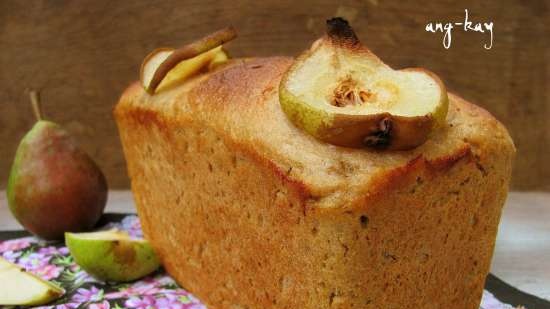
x=53 y=262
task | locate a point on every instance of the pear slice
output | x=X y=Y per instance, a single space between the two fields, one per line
x=20 y=288
x=218 y=59
x=112 y=255
x=190 y=67
x=171 y=63
x=341 y=93
x=151 y=63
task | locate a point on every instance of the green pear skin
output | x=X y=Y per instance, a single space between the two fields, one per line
x=54 y=187
x=117 y=260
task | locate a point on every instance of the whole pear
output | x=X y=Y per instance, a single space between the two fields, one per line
x=54 y=187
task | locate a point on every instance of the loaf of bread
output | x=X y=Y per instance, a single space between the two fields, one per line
x=247 y=211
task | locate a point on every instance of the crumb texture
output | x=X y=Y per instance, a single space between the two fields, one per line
x=248 y=212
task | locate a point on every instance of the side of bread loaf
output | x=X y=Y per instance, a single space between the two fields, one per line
x=247 y=211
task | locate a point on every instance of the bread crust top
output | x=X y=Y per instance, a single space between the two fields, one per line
x=240 y=101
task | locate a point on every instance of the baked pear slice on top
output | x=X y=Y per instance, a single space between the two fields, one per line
x=341 y=93
x=166 y=67
x=182 y=70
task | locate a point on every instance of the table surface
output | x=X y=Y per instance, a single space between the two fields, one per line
x=522 y=253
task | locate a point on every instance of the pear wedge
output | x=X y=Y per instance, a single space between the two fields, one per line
x=219 y=58
x=341 y=93
x=20 y=288
x=112 y=255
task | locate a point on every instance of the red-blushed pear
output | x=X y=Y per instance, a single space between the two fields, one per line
x=54 y=186
x=341 y=93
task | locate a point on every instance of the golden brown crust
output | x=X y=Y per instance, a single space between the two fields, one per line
x=242 y=96
x=247 y=211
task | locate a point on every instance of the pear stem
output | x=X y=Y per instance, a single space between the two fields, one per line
x=35 y=102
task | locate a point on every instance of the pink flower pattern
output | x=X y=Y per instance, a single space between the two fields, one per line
x=11 y=256
x=103 y=305
x=83 y=295
x=15 y=244
x=48 y=272
x=53 y=262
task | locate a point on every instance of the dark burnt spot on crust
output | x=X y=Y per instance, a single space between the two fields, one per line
x=364 y=220
x=339 y=31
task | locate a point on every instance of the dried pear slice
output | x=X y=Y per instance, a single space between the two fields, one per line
x=159 y=63
x=190 y=67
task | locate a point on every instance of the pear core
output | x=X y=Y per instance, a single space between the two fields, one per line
x=341 y=93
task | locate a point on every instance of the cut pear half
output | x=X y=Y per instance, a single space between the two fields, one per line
x=20 y=288
x=112 y=255
x=165 y=66
x=341 y=93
